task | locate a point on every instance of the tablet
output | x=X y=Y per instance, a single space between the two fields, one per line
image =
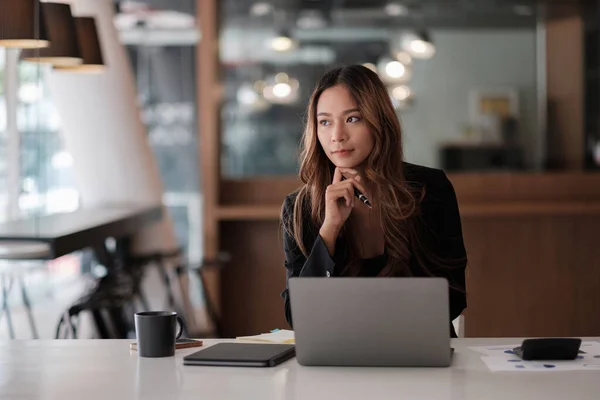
x=242 y=355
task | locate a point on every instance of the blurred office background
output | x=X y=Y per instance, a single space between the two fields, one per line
x=503 y=95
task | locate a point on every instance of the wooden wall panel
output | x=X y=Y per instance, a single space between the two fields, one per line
x=565 y=79
x=470 y=188
x=526 y=186
x=534 y=264
x=257 y=190
x=533 y=276
x=209 y=138
x=252 y=282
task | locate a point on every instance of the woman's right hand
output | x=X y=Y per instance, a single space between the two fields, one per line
x=340 y=199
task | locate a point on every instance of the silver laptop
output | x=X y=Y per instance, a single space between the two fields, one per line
x=401 y=322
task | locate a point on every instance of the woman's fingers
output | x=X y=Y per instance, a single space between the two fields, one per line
x=357 y=185
x=337 y=175
x=352 y=175
x=348 y=172
x=338 y=192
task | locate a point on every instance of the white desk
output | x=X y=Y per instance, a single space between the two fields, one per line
x=106 y=369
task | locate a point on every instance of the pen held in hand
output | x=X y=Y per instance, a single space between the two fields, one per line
x=360 y=196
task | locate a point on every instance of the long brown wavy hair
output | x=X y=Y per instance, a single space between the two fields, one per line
x=398 y=201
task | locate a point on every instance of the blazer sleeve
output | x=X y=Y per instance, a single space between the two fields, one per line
x=319 y=263
x=451 y=246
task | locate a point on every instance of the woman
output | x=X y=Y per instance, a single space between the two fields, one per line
x=353 y=141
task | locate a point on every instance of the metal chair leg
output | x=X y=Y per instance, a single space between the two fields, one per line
x=27 y=304
x=59 y=326
x=6 y=288
x=100 y=325
x=75 y=326
x=66 y=322
x=210 y=308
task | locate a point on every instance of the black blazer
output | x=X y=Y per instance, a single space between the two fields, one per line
x=442 y=233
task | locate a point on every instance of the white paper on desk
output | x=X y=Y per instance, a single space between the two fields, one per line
x=505 y=363
x=591 y=348
x=501 y=358
x=506 y=349
x=280 y=336
x=494 y=350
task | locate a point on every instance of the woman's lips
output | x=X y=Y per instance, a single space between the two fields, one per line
x=343 y=152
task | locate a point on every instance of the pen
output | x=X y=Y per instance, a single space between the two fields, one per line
x=361 y=196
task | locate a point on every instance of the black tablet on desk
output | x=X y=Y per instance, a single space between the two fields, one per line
x=242 y=355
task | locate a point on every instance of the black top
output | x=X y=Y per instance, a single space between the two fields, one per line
x=442 y=234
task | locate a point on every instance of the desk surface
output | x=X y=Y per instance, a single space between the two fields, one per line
x=107 y=369
x=68 y=232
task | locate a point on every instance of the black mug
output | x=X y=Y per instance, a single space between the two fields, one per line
x=155 y=332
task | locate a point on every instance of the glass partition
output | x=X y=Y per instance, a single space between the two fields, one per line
x=161 y=49
x=3 y=142
x=464 y=77
x=47 y=179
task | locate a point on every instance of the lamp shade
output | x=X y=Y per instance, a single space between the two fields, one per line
x=64 y=46
x=89 y=45
x=21 y=25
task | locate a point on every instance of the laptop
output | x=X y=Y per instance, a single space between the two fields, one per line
x=396 y=322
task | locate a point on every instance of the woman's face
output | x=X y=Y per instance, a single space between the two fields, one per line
x=342 y=132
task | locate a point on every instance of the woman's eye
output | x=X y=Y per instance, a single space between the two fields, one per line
x=324 y=122
x=353 y=119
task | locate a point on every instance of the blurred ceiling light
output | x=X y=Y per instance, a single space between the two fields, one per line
x=420 y=46
x=395 y=69
x=282 y=92
x=250 y=99
x=523 y=10
x=20 y=28
x=311 y=19
x=371 y=66
x=282 y=89
x=401 y=93
x=402 y=97
x=259 y=86
x=403 y=57
x=392 y=71
x=282 y=41
x=260 y=9
x=395 y=9
x=246 y=95
x=282 y=77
